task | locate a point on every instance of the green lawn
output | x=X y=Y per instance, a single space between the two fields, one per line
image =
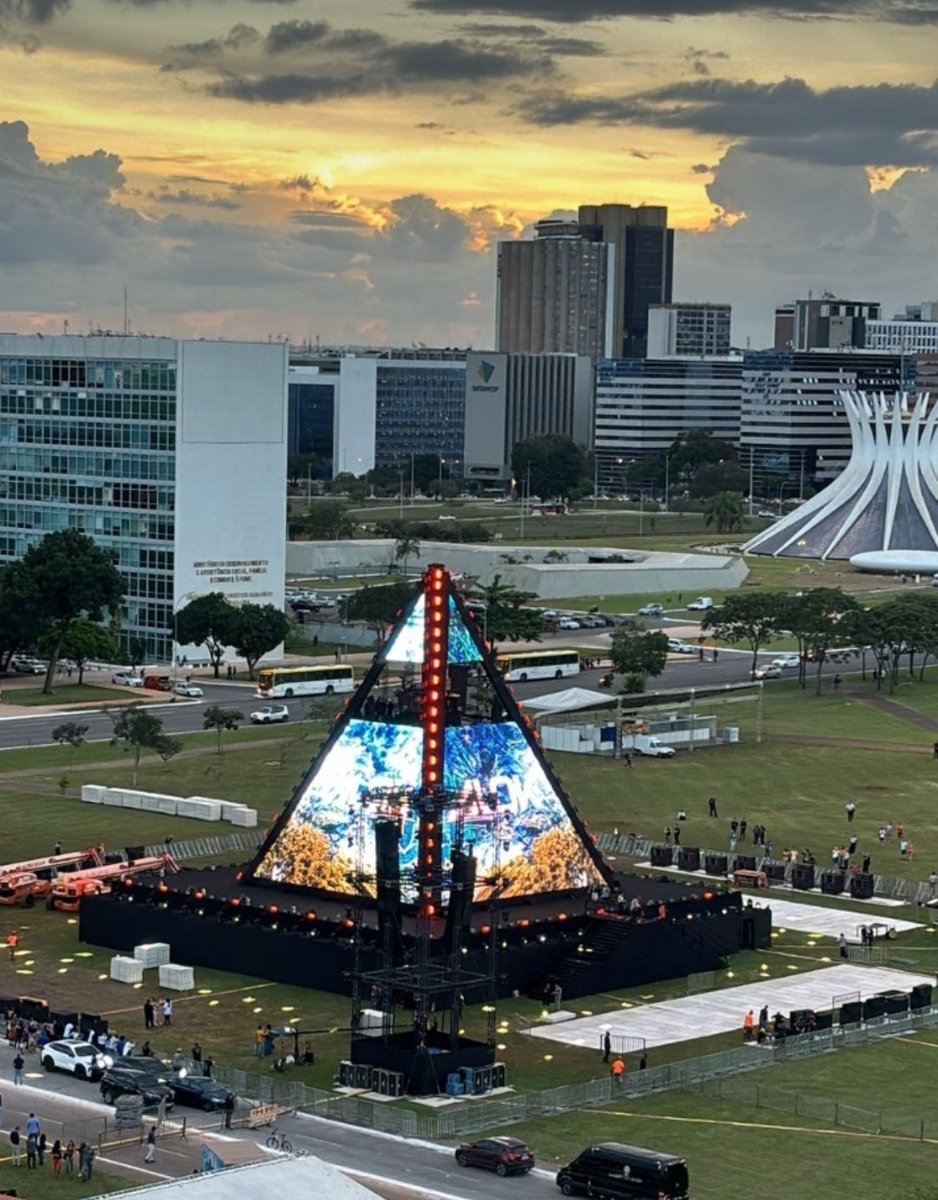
x=68 y=693
x=43 y=1185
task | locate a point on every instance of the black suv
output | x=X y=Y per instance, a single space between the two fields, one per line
x=620 y=1172
x=146 y=1077
x=199 y=1091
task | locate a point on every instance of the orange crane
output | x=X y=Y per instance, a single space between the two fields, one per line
x=25 y=882
x=92 y=857
x=67 y=891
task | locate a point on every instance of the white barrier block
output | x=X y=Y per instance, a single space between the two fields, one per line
x=167 y=806
x=113 y=797
x=246 y=818
x=91 y=793
x=126 y=970
x=201 y=810
x=175 y=978
x=152 y=954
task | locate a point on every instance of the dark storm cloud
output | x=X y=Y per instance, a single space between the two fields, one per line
x=185 y=196
x=908 y=12
x=291 y=35
x=374 y=64
x=879 y=124
x=561 y=46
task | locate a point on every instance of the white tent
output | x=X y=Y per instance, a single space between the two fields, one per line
x=286 y=1178
x=569 y=700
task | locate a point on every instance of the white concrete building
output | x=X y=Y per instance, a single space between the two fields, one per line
x=684 y=329
x=172 y=453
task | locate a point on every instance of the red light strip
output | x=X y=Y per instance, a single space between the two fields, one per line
x=435 y=653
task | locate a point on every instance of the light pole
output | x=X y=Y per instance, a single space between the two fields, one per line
x=412 y=454
x=440 y=479
x=400 y=507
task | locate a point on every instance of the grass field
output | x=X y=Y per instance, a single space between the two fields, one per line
x=68 y=693
x=43 y=1185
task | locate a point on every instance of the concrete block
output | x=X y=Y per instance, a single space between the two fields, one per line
x=176 y=978
x=126 y=970
x=91 y=793
x=245 y=818
x=113 y=797
x=202 y=810
x=152 y=954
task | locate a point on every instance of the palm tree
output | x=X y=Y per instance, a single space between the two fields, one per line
x=726 y=511
x=404 y=547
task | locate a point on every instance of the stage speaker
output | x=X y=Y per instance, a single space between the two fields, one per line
x=874 y=1006
x=662 y=856
x=388 y=890
x=896 y=1003
x=921 y=996
x=802 y=876
x=800 y=1019
x=135 y=852
x=715 y=864
x=347 y=1074
x=774 y=872
x=688 y=859
x=745 y=862
x=851 y=1013
x=832 y=883
x=861 y=887
x=499 y=1075
x=459 y=911
x=823 y=1020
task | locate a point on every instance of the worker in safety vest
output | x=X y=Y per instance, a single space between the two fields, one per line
x=749 y=1024
x=13 y=940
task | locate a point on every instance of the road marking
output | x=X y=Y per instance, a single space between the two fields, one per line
x=881 y=1137
x=919 y=1042
x=116 y=1162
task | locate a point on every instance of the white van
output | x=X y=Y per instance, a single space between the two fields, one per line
x=701 y=604
x=648 y=745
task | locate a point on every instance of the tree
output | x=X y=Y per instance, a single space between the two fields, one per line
x=638 y=652
x=221 y=719
x=817 y=619
x=69 y=577
x=20 y=622
x=70 y=733
x=211 y=621
x=404 y=547
x=83 y=642
x=137 y=730
x=748 y=617
x=726 y=511
x=710 y=479
x=326 y=519
x=507 y=615
x=378 y=606
x=695 y=448
x=553 y=465
x=258 y=629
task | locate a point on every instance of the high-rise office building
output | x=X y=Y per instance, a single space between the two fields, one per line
x=585 y=286
x=688 y=329
x=644 y=266
x=824 y=324
x=554 y=293
x=147 y=445
x=511 y=397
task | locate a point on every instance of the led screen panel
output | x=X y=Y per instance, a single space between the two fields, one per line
x=512 y=817
x=406 y=646
x=500 y=801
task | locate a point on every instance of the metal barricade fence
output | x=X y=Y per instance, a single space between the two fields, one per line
x=209 y=847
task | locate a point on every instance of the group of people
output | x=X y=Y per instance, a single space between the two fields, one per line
x=31 y=1144
x=150 y=1011
x=27 y=1035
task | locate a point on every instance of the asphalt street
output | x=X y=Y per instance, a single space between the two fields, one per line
x=70 y=1108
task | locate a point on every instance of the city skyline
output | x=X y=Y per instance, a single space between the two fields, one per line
x=254 y=168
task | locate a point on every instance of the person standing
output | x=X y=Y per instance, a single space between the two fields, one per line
x=13 y=941
x=15 y=1150
x=677 y=835
x=607 y=1046
x=229 y=1108
x=89 y=1162
x=196 y=1052
x=851 y=810
x=41 y=1143
x=618 y=1070
x=749 y=1023
x=32 y=1151
x=148 y=1014
x=627 y=757
x=167 y=1011
x=842 y=943
x=150 y=1155
x=57 y=1157
x=68 y=1155
x=259 y=1041
x=712 y=806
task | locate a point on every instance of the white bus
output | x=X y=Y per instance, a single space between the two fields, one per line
x=538 y=664
x=276 y=682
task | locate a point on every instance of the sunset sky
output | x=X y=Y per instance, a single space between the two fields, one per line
x=341 y=169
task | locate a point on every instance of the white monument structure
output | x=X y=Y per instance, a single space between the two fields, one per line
x=882 y=512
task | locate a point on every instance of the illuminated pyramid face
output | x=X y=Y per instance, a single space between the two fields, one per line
x=500 y=799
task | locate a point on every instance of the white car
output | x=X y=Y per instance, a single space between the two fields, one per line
x=567 y=623
x=270 y=714
x=127 y=679
x=80 y=1059
x=676 y=646
x=769 y=671
x=787 y=661
x=651 y=610
x=184 y=688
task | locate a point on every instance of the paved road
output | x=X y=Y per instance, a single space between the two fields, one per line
x=67 y=1106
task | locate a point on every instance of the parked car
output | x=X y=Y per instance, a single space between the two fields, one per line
x=766 y=514
x=787 y=661
x=24 y=665
x=651 y=610
x=127 y=679
x=769 y=671
x=128 y=1077
x=199 y=1091
x=80 y=1059
x=182 y=687
x=270 y=714
x=591 y=621
x=503 y=1155
x=567 y=623
x=677 y=646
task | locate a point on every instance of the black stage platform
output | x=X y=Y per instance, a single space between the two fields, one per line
x=210 y=918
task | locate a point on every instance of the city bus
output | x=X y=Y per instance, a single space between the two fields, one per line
x=538 y=664
x=276 y=682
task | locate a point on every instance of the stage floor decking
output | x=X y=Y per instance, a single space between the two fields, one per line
x=829 y=922
x=722 y=1011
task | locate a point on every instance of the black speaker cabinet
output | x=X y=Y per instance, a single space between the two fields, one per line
x=745 y=862
x=874 y=1006
x=661 y=856
x=824 y=1020
x=801 y=1019
x=802 y=876
x=921 y=996
x=715 y=864
x=775 y=872
x=688 y=859
x=851 y=1013
x=832 y=883
x=897 y=1003
x=861 y=887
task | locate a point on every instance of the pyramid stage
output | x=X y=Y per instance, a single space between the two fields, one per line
x=430 y=859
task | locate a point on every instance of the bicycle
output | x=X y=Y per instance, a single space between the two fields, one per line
x=278 y=1141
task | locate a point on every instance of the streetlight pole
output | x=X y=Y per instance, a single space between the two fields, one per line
x=400 y=507
x=412 y=478
x=440 y=481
